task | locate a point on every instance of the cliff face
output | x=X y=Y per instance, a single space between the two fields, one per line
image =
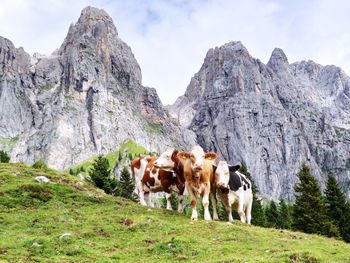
x=273 y=117
x=84 y=99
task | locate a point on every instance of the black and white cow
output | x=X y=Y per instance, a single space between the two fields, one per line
x=235 y=190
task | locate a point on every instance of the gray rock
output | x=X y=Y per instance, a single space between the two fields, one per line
x=65 y=235
x=83 y=100
x=42 y=179
x=273 y=117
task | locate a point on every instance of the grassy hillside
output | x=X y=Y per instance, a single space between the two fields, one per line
x=100 y=228
x=129 y=147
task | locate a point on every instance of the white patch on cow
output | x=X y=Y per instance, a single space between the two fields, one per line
x=222 y=175
x=197 y=156
x=164 y=161
x=194 y=215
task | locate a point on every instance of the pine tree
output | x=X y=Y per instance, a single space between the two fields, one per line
x=285 y=220
x=336 y=207
x=309 y=211
x=344 y=223
x=4 y=157
x=258 y=215
x=272 y=215
x=100 y=175
x=125 y=186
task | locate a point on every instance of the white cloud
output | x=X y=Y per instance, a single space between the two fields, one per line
x=170 y=38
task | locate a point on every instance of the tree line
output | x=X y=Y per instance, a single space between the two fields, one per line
x=315 y=212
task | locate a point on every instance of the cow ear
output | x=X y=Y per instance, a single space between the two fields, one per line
x=183 y=155
x=174 y=155
x=234 y=168
x=214 y=168
x=210 y=156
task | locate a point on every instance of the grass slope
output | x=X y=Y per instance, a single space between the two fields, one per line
x=126 y=148
x=103 y=228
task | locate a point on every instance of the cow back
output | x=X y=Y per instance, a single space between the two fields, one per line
x=238 y=180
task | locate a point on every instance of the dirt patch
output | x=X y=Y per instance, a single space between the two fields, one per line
x=303 y=257
x=126 y=222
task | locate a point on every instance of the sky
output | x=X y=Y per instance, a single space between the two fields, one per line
x=170 y=38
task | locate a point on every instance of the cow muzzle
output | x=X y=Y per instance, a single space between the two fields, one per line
x=223 y=188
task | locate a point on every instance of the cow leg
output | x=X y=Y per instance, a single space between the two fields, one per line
x=179 y=203
x=214 y=204
x=228 y=207
x=148 y=199
x=193 y=199
x=205 y=202
x=168 y=201
x=248 y=212
x=240 y=211
x=142 y=198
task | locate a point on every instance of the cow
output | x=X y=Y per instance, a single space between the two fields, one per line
x=138 y=167
x=200 y=179
x=169 y=161
x=159 y=180
x=235 y=190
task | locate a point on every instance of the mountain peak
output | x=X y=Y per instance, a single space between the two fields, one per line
x=91 y=17
x=93 y=26
x=278 y=56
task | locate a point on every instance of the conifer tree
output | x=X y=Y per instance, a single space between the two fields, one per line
x=285 y=220
x=125 y=187
x=100 y=175
x=336 y=207
x=4 y=157
x=272 y=215
x=309 y=211
x=258 y=215
x=344 y=223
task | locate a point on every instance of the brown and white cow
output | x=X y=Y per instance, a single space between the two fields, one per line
x=235 y=190
x=138 y=167
x=169 y=161
x=159 y=180
x=200 y=179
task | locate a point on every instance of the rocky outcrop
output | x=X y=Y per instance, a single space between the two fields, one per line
x=273 y=117
x=84 y=99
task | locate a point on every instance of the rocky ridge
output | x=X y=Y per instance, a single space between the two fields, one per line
x=273 y=117
x=84 y=99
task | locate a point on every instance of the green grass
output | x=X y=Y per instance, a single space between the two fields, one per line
x=103 y=228
x=125 y=148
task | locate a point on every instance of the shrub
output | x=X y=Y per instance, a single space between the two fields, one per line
x=4 y=157
x=40 y=165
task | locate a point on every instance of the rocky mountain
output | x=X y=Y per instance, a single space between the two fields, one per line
x=84 y=99
x=273 y=117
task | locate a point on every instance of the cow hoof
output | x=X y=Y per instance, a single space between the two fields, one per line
x=194 y=218
x=229 y=223
x=216 y=218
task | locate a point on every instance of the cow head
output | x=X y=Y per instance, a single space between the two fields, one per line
x=197 y=157
x=222 y=175
x=166 y=160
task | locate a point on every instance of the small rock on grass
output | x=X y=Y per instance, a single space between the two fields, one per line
x=65 y=235
x=42 y=179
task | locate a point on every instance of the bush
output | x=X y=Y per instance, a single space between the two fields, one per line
x=4 y=157
x=40 y=165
